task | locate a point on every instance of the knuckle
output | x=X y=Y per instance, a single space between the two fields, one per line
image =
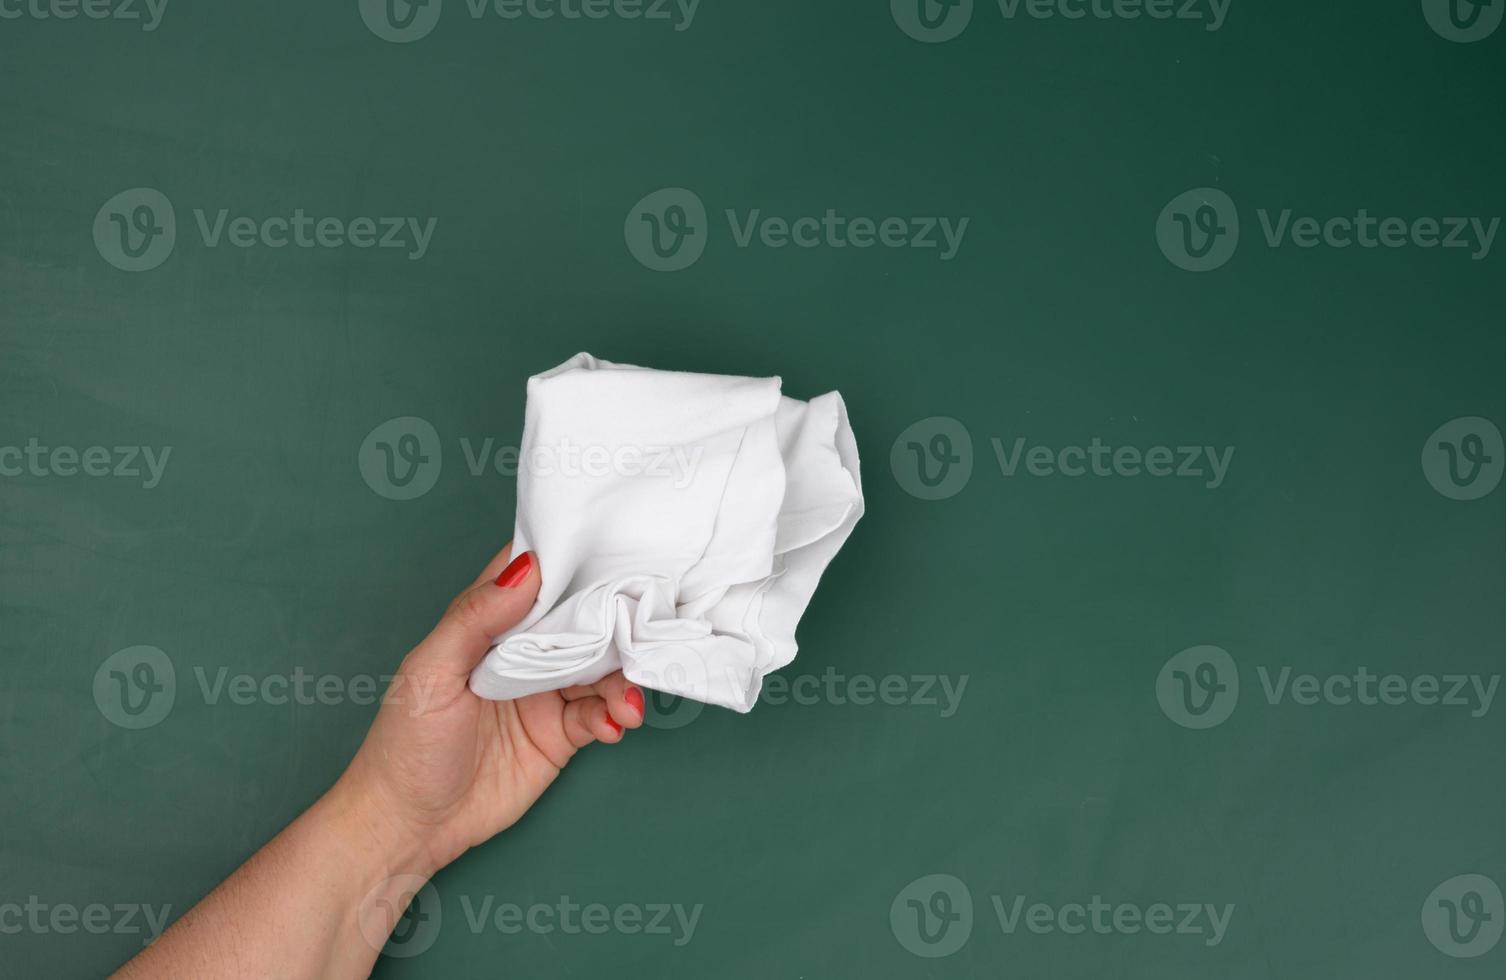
x=469 y=609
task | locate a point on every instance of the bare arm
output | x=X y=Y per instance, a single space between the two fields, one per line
x=440 y=771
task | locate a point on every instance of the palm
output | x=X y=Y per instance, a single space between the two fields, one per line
x=520 y=747
x=456 y=768
x=469 y=768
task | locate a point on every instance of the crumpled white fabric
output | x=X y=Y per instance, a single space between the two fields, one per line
x=681 y=523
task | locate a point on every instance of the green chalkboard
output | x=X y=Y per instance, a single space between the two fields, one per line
x=1171 y=332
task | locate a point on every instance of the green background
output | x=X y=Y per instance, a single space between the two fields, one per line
x=1059 y=777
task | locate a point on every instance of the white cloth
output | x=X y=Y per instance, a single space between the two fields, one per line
x=681 y=523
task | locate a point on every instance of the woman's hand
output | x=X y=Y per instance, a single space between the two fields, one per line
x=444 y=769
x=440 y=771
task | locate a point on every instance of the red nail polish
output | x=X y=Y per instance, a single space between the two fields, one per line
x=612 y=723
x=516 y=571
x=634 y=697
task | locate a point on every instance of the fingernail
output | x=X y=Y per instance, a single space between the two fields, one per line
x=634 y=697
x=516 y=571
x=616 y=728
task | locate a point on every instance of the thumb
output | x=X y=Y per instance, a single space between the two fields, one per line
x=489 y=607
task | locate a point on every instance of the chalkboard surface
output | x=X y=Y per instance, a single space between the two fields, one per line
x=1171 y=331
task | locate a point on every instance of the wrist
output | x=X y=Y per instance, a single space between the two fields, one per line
x=371 y=869
x=370 y=832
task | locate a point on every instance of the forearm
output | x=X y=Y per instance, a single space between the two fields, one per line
x=440 y=771
x=296 y=908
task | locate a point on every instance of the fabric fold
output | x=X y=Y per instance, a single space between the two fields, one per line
x=682 y=522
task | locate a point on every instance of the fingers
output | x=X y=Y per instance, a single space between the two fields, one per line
x=493 y=605
x=624 y=700
x=587 y=720
x=600 y=712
